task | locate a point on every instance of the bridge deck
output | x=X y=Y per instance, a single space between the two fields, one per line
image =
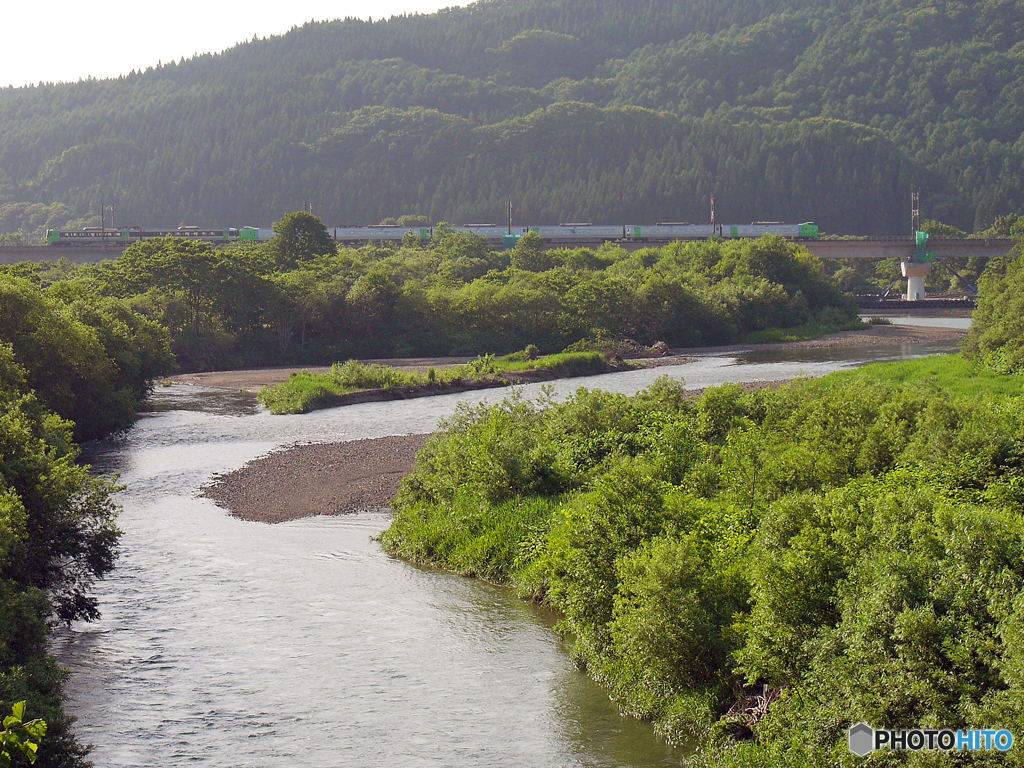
x=13 y=254
x=904 y=248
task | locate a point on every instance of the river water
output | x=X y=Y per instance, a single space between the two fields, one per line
x=231 y=643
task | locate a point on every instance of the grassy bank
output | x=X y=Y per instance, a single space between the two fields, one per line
x=305 y=392
x=851 y=547
x=804 y=332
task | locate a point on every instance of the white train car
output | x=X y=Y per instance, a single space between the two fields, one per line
x=671 y=231
x=580 y=231
x=489 y=231
x=378 y=233
x=759 y=228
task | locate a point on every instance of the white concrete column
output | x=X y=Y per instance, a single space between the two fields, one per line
x=915 y=273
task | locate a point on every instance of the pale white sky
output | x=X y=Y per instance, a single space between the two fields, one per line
x=67 y=40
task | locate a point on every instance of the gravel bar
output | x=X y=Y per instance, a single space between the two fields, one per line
x=332 y=478
x=318 y=479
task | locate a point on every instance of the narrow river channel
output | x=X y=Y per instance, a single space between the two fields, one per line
x=228 y=643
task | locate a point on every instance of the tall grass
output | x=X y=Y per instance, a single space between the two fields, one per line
x=953 y=375
x=305 y=392
x=812 y=330
x=302 y=393
x=355 y=375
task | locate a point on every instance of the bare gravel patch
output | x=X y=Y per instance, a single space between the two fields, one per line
x=319 y=479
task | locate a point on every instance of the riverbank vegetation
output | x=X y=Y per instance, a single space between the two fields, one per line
x=57 y=536
x=258 y=305
x=997 y=333
x=852 y=545
x=88 y=358
x=757 y=571
x=73 y=366
x=304 y=391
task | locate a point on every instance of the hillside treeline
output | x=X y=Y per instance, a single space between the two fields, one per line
x=258 y=305
x=579 y=110
x=849 y=549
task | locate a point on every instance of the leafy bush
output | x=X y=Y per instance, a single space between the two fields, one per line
x=57 y=536
x=997 y=329
x=92 y=360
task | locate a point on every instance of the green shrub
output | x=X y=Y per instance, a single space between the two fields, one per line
x=301 y=393
x=997 y=328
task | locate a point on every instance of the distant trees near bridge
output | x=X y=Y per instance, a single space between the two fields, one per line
x=270 y=303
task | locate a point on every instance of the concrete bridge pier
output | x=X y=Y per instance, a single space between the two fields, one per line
x=915 y=272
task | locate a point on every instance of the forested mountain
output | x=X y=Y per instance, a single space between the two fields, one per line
x=825 y=110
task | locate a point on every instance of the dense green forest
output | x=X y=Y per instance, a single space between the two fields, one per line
x=57 y=535
x=579 y=110
x=850 y=548
x=277 y=302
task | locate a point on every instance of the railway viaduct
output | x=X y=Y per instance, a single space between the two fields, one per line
x=903 y=248
x=14 y=254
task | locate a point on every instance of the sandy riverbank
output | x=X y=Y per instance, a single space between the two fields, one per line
x=329 y=478
x=254 y=379
x=874 y=336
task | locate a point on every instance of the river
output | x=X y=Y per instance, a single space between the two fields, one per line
x=229 y=643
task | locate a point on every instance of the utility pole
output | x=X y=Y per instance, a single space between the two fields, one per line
x=712 y=213
x=510 y=215
x=917 y=269
x=915 y=212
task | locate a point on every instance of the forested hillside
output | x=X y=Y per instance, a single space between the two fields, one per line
x=578 y=109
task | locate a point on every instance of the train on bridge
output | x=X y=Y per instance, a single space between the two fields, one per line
x=567 y=234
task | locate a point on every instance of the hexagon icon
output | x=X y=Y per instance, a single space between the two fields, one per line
x=862 y=737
